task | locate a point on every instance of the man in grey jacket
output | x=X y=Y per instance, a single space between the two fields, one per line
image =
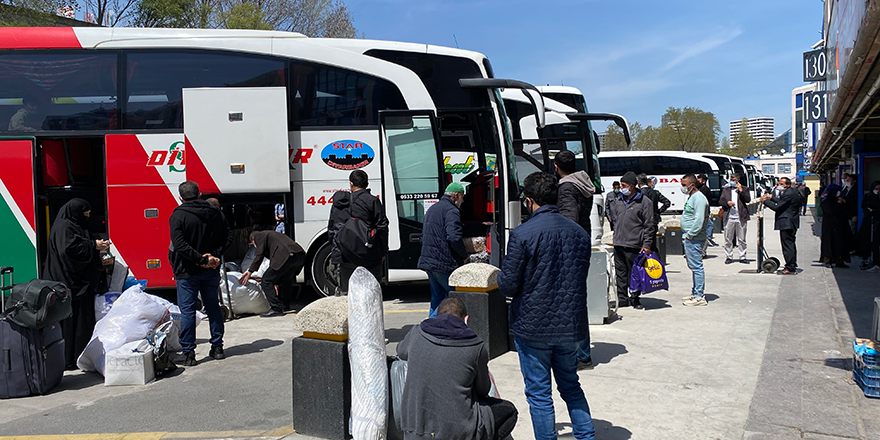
x=633 y=234
x=575 y=194
x=446 y=395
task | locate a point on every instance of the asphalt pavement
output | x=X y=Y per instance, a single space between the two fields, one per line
x=768 y=358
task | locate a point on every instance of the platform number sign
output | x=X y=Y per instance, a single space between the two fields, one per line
x=816 y=106
x=815 y=65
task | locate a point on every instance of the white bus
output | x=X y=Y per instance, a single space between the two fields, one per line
x=121 y=116
x=666 y=166
x=566 y=128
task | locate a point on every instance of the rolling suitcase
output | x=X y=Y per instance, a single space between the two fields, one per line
x=31 y=361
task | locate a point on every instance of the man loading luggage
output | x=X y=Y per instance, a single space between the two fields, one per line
x=199 y=236
x=286 y=259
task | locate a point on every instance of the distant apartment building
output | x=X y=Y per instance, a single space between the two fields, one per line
x=760 y=128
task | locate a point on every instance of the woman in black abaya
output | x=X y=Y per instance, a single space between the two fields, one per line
x=75 y=261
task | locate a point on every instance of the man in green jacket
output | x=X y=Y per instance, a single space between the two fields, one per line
x=694 y=220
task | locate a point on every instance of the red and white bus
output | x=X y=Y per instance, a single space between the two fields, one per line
x=121 y=116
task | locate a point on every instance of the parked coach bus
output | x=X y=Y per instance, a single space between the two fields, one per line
x=667 y=167
x=121 y=116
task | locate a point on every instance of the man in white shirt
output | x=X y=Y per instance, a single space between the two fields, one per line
x=734 y=199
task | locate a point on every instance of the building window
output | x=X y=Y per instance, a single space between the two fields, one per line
x=784 y=168
x=768 y=168
x=799 y=126
x=799 y=100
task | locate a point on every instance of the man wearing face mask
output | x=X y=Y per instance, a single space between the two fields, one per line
x=694 y=221
x=609 y=198
x=633 y=234
x=733 y=200
x=442 y=247
x=787 y=207
x=849 y=197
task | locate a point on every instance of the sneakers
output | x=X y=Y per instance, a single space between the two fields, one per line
x=712 y=242
x=728 y=260
x=187 y=359
x=217 y=353
x=744 y=260
x=585 y=365
x=695 y=301
x=271 y=314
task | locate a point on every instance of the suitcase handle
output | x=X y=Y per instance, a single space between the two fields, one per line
x=5 y=270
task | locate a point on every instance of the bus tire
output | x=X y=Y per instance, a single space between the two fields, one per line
x=324 y=274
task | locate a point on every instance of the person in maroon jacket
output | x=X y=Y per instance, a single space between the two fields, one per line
x=286 y=259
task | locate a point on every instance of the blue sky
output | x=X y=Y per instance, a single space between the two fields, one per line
x=733 y=58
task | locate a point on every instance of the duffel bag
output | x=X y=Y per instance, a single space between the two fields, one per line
x=38 y=303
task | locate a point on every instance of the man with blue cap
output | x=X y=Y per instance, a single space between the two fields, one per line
x=443 y=250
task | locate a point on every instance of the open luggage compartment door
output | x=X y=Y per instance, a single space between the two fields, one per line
x=236 y=139
x=18 y=206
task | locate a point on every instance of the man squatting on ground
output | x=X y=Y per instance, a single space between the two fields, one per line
x=545 y=273
x=575 y=202
x=443 y=250
x=199 y=235
x=450 y=399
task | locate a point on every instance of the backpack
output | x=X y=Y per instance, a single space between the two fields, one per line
x=356 y=241
x=38 y=303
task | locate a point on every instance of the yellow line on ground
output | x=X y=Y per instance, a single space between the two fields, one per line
x=278 y=432
x=408 y=311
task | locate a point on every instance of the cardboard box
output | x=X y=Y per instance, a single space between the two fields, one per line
x=131 y=364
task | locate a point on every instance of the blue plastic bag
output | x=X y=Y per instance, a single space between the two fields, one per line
x=648 y=274
x=131 y=281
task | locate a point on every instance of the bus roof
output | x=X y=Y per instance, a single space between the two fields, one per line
x=361 y=46
x=684 y=154
x=549 y=104
x=560 y=89
x=92 y=37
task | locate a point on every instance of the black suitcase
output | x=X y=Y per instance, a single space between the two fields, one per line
x=32 y=360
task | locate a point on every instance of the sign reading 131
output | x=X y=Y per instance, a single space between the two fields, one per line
x=816 y=106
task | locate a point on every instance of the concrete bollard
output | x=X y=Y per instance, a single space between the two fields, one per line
x=476 y=285
x=321 y=371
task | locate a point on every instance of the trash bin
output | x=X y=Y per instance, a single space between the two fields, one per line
x=661 y=247
x=673 y=241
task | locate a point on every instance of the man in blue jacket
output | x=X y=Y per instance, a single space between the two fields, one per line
x=442 y=248
x=545 y=271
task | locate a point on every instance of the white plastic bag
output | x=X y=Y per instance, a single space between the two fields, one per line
x=398 y=380
x=133 y=316
x=103 y=304
x=366 y=354
x=245 y=299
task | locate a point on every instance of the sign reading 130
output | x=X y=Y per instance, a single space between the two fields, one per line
x=815 y=65
x=816 y=106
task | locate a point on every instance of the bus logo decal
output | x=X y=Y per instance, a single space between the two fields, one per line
x=174 y=155
x=347 y=154
x=301 y=155
x=459 y=168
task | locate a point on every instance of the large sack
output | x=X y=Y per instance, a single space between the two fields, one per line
x=245 y=299
x=133 y=316
x=366 y=354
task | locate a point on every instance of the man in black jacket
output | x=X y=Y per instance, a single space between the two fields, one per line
x=787 y=206
x=849 y=196
x=442 y=248
x=369 y=209
x=447 y=382
x=633 y=234
x=575 y=196
x=286 y=259
x=733 y=201
x=199 y=236
x=609 y=198
x=658 y=201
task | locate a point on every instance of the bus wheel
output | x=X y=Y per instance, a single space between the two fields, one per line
x=325 y=275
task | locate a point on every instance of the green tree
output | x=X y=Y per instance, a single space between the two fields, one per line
x=648 y=139
x=689 y=129
x=174 y=13
x=614 y=140
x=244 y=16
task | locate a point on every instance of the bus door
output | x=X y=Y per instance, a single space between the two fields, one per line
x=18 y=206
x=412 y=180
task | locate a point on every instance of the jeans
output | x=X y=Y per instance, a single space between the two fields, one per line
x=439 y=290
x=188 y=289
x=694 y=255
x=536 y=359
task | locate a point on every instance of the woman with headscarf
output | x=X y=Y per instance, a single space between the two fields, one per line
x=75 y=261
x=834 y=229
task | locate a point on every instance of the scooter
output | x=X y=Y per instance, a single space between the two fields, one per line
x=766 y=263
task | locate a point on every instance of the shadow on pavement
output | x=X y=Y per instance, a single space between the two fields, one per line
x=654 y=303
x=603 y=352
x=604 y=430
x=254 y=347
x=710 y=297
x=78 y=381
x=395 y=335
